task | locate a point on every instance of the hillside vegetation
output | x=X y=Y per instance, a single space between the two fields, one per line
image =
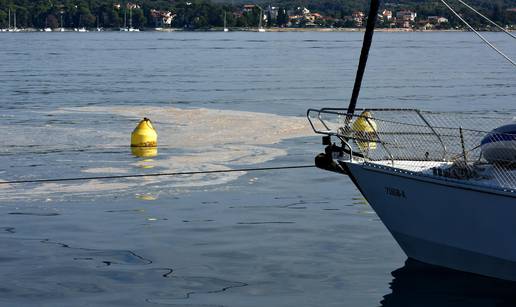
x=202 y=14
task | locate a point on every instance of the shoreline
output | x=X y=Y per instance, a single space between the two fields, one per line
x=274 y=29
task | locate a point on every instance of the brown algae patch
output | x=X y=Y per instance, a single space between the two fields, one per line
x=105 y=170
x=206 y=139
x=193 y=128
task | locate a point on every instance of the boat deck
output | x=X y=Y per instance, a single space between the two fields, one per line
x=446 y=146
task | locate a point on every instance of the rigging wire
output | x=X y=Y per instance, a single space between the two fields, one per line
x=486 y=18
x=478 y=34
x=157 y=174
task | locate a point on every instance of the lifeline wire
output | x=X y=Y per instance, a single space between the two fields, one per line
x=157 y=174
x=486 y=18
x=479 y=35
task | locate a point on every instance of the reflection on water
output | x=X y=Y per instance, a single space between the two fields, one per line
x=220 y=101
x=144 y=152
x=420 y=284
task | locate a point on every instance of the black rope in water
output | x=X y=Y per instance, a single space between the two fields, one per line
x=157 y=174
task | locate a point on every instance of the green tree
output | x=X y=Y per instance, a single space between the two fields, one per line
x=139 y=19
x=52 y=21
x=4 y=19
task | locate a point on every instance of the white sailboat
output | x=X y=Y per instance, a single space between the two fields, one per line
x=125 y=29
x=9 y=21
x=225 y=23
x=131 y=29
x=260 y=23
x=14 y=28
x=47 y=28
x=444 y=189
x=80 y=29
x=61 y=29
x=99 y=28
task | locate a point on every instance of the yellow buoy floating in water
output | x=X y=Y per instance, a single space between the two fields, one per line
x=365 y=128
x=144 y=139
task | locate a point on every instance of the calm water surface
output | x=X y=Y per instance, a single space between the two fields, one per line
x=284 y=238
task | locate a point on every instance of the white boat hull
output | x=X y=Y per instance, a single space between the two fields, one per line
x=471 y=229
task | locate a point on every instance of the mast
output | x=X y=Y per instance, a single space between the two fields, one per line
x=131 y=17
x=368 y=38
x=14 y=15
x=261 y=18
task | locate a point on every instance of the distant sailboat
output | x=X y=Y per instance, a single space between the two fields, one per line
x=14 y=28
x=47 y=28
x=260 y=26
x=99 y=29
x=9 y=19
x=131 y=29
x=61 y=29
x=225 y=23
x=125 y=29
x=81 y=29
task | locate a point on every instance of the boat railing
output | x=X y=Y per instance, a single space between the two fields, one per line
x=370 y=133
x=417 y=140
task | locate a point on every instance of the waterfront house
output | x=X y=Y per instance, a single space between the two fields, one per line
x=386 y=15
x=133 y=6
x=358 y=18
x=273 y=11
x=406 y=15
x=248 y=8
x=437 y=19
x=162 y=18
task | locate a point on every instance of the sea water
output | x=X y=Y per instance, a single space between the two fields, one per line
x=220 y=101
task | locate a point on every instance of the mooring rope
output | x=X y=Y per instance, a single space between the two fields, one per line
x=157 y=174
x=479 y=35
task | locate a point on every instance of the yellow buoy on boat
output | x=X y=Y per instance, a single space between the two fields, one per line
x=364 y=123
x=365 y=129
